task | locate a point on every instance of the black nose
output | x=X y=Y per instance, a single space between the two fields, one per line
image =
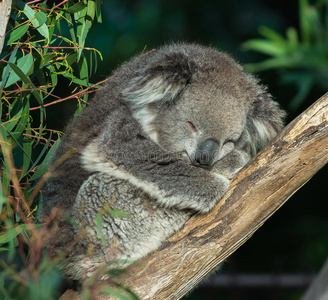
x=205 y=153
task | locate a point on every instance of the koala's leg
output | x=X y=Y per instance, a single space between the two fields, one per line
x=118 y=224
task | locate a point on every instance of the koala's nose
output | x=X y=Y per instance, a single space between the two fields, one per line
x=205 y=154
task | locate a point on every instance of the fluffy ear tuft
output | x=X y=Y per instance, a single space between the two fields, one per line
x=161 y=80
x=264 y=120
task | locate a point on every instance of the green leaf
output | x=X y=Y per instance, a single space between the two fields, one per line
x=54 y=77
x=7 y=127
x=91 y=11
x=17 y=34
x=2 y=195
x=84 y=75
x=71 y=27
x=75 y=8
x=134 y=296
x=28 y=82
x=41 y=18
x=272 y=35
x=83 y=37
x=24 y=117
x=44 y=166
x=98 y=11
x=85 y=294
x=45 y=59
x=45 y=147
x=264 y=46
x=11 y=123
x=80 y=19
x=31 y=15
x=58 y=18
x=12 y=233
x=7 y=69
x=27 y=161
x=25 y=63
x=82 y=29
x=52 y=20
x=292 y=38
x=305 y=25
x=71 y=58
x=76 y=80
x=4 y=186
x=99 y=226
x=271 y=63
x=118 y=213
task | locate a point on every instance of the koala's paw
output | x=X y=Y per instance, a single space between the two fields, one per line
x=216 y=190
x=231 y=164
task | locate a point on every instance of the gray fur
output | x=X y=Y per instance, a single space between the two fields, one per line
x=160 y=141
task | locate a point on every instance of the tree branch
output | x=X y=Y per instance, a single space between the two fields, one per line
x=256 y=192
x=5 y=8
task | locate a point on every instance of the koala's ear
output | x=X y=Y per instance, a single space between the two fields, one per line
x=265 y=119
x=163 y=78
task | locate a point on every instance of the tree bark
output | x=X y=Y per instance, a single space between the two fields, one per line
x=5 y=8
x=256 y=192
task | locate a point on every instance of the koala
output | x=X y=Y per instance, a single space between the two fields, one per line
x=160 y=141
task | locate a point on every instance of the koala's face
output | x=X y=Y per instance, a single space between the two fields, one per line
x=199 y=102
x=205 y=124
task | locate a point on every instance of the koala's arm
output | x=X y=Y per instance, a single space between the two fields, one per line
x=123 y=151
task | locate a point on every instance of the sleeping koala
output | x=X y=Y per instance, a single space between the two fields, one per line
x=160 y=142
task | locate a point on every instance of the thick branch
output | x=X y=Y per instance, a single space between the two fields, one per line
x=256 y=192
x=5 y=8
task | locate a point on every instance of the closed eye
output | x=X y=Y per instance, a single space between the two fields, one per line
x=192 y=126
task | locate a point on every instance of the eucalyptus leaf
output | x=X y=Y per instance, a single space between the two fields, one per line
x=44 y=166
x=12 y=122
x=7 y=69
x=44 y=149
x=98 y=11
x=41 y=18
x=75 y=8
x=76 y=79
x=293 y=39
x=31 y=15
x=91 y=11
x=10 y=234
x=28 y=82
x=99 y=226
x=270 y=63
x=272 y=35
x=25 y=63
x=27 y=146
x=17 y=34
x=118 y=213
x=265 y=47
x=84 y=75
x=24 y=118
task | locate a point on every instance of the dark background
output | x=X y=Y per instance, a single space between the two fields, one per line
x=294 y=240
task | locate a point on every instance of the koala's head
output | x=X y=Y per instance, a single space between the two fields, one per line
x=198 y=101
